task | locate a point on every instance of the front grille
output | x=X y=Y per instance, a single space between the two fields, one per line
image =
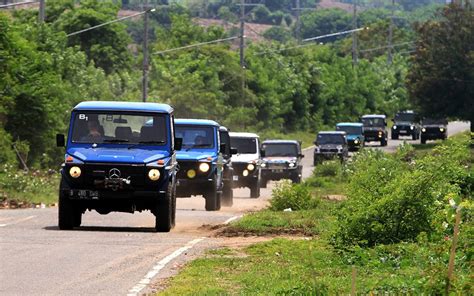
x=185 y=166
x=328 y=150
x=276 y=166
x=432 y=130
x=135 y=173
x=239 y=167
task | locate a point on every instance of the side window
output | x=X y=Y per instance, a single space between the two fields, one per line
x=172 y=131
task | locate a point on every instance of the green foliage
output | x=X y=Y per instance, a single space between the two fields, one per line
x=393 y=198
x=324 y=21
x=7 y=155
x=328 y=169
x=297 y=197
x=279 y=34
x=441 y=78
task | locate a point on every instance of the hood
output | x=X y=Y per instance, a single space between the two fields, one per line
x=244 y=157
x=124 y=155
x=279 y=159
x=374 y=128
x=194 y=155
x=353 y=137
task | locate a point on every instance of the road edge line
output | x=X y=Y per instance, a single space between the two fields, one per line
x=146 y=280
x=232 y=219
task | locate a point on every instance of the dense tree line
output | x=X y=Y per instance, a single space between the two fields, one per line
x=44 y=74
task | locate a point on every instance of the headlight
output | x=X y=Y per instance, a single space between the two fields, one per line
x=380 y=134
x=245 y=173
x=356 y=141
x=292 y=164
x=394 y=127
x=154 y=174
x=441 y=129
x=263 y=165
x=191 y=174
x=75 y=172
x=423 y=129
x=251 y=167
x=412 y=127
x=204 y=167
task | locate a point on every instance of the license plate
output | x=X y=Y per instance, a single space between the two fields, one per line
x=277 y=171
x=87 y=194
x=403 y=132
x=235 y=178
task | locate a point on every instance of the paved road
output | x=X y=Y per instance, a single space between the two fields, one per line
x=111 y=254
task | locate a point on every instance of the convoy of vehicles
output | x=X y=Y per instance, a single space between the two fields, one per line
x=375 y=128
x=433 y=129
x=281 y=159
x=246 y=162
x=354 y=134
x=128 y=157
x=120 y=156
x=200 y=160
x=405 y=123
x=330 y=145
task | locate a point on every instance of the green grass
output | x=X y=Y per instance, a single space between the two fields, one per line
x=307 y=222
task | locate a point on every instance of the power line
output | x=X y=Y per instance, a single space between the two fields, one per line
x=195 y=45
x=17 y=4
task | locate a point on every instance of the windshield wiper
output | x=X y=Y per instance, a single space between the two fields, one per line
x=146 y=142
x=116 y=141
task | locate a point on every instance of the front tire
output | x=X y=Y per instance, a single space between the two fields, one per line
x=383 y=142
x=255 y=189
x=394 y=137
x=65 y=213
x=227 y=195
x=165 y=211
x=213 y=198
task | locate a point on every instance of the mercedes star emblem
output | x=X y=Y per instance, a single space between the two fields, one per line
x=114 y=173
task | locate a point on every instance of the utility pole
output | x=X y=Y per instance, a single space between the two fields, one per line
x=354 y=34
x=145 y=54
x=41 y=11
x=242 y=31
x=390 y=35
x=298 y=21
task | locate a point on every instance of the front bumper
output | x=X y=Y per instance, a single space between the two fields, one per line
x=403 y=130
x=91 y=194
x=243 y=177
x=374 y=136
x=353 y=146
x=433 y=135
x=281 y=173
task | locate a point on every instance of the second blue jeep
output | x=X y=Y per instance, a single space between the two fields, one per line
x=354 y=132
x=200 y=161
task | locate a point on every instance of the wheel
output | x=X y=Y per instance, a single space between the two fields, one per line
x=227 y=195
x=296 y=179
x=394 y=137
x=255 y=189
x=414 y=137
x=173 y=212
x=423 y=140
x=65 y=210
x=77 y=218
x=383 y=142
x=165 y=211
x=213 y=198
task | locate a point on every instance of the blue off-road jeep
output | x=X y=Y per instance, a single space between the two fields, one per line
x=354 y=134
x=120 y=156
x=201 y=161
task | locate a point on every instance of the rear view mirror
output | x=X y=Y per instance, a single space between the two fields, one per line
x=262 y=153
x=178 y=143
x=222 y=148
x=233 y=151
x=301 y=155
x=60 y=140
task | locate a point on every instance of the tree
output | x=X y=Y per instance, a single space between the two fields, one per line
x=325 y=21
x=441 y=79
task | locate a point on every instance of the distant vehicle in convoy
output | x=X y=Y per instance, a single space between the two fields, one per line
x=375 y=128
x=227 y=150
x=246 y=162
x=354 y=134
x=330 y=145
x=200 y=161
x=405 y=123
x=120 y=156
x=281 y=159
x=433 y=129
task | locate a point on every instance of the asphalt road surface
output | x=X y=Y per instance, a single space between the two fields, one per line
x=115 y=254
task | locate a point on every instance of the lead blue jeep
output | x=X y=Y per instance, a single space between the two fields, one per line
x=120 y=156
x=200 y=161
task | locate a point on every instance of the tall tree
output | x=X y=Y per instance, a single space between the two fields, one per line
x=441 y=79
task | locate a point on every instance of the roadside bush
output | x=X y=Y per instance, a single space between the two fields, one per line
x=295 y=196
x=393 y=198
x=328 y=169
x=7 y=155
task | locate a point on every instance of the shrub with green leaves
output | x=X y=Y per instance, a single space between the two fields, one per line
x=395 y=197
x=328 y=169
x=295 y=196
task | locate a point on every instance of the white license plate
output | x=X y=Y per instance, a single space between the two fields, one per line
x=278 y=171
x=235 y=178
x=403 y=132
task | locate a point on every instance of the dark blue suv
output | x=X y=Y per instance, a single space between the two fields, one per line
x=120 y=156
x=201 y=161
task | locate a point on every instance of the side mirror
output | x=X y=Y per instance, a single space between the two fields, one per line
x=178 y=143
x=60 y=140
x=301 y=155
x=262 y=153
x=222 y=148
x=233 y=151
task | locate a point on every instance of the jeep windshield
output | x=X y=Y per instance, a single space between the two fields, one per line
x=373 y=121
x=245 y=145
x=350 y=130
x=325 y=139
x=435 y=121
x=282 y=149
x=195 y=137
x=407 y=117
x=119 y=128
